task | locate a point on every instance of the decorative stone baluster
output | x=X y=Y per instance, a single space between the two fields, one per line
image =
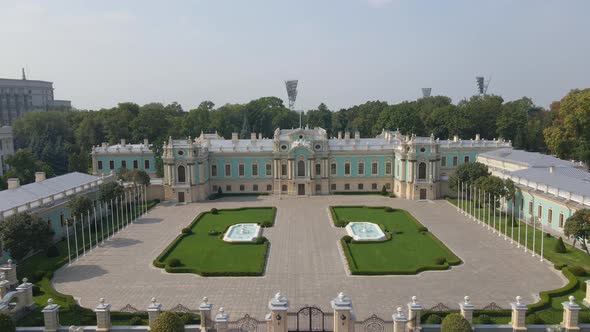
x=518 y=315
x=277 y=317
x=103 y=316
x=343 y=316
x=4 y=285
x=51 y=317
x=27 y=288
x=570 y=315
x=9 y=270
x=399 y=320
x=221 y=320
x=205 y=311
x=414 y=309
x=467 y=309
x=153 y=311
x=587 y=298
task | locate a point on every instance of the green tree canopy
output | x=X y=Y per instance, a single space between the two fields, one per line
x=23 y=233
x=168 y=322
x=494 y=188
x=320 y=117
x=109 y=191
x=455 y=323
x=23 y=165
x=80 y=206
x=578 y=227
x=402 y=116
x=467 y=173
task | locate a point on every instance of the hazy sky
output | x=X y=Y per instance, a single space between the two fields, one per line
x=343 y=52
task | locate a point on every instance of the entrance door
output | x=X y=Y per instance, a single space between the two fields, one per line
x=180 y=197
x=301 y=189
x=422 y=193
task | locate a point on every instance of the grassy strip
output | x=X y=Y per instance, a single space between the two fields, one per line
x=208 y=255
x=412 y=250
x=40 y=268
x=548 y=309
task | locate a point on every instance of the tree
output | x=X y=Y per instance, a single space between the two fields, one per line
x=467 y=173
x=80 y=206
x=6 y=323
x=109 y=191
x=568 y=136
x=320 y=117
x=512 y=121
x=23 y=233
x=455 y=323
x=141 y=177
x=23 y=165
x=560 y=246
x=493 y=186
x=578 y=227
x=481 y=113
x=168 y=322
x=402 y=116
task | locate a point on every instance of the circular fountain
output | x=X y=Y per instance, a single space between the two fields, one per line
x=246 y=232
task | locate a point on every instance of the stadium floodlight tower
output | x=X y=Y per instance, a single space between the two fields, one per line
x=426 y=92
x=291 y=86
x=482 y=85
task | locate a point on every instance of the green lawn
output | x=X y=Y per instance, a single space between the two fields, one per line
x=549 y=311
x=209 y=255
x=409 y=251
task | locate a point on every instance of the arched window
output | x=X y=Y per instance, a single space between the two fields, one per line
x=181 y=174
x=422 y=171
x=301 y=168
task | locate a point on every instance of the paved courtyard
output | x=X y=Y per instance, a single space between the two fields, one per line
x=305 y=263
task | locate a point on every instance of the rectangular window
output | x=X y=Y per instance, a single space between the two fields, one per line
x=539 y=211
x=333 y=186
x=522 y=204
x=268 y=169
x=241 y=170
x=466 y=159
x=228 y=187
x=269 y=187
x=135 y=164
x=388 y=168
x=361 y=186
x=318 y=188
x=361 y=169
x=213 y=170
x=62 y=220
x=123 y=163
x=215 y=188
x=284 y=188
x=333 y=168
x=346 y=186
x=455 y=160
x=388 y=186
x=531 y=208
x=443 y=161
x=227 y=170
x=254 y=169
x=318 y=169
x=374 y=168
x=373 y=186
x=100 y=164
x=242 y=187
x=283 y=169
x=347 y=169
x=146 y=164
x=255 y=187
x=549 y=215
x=560 y=220
x=111 y=164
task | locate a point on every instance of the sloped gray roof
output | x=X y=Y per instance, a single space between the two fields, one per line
x=525 y=158
x=11 y=198
x=573 y=180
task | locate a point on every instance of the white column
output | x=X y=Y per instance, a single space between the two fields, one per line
x=467 y=309
x=518 y=315
x=205 y=311
x=221 y=320
x=153 y=310
x=399 y=321
x=51 y=317
x=570 y=315
x=277 y=317
x=343 y=317
x=103 y=316
x=414 y=309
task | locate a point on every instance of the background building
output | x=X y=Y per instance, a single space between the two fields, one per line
x=20 y=96
x=6 y=146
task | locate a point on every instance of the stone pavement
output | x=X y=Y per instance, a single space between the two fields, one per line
x=305 y=263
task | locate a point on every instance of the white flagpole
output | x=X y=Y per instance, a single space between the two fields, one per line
x=95 y=226
x=526 y=236
x=505 y=219
x=89 y=232
x=512 y=226
x=68 y=240
x=112 y=218
x=458 y=195
x=519 y=226
x=494 y=207
x=100 y=207
x=489 y=211
x=542 y=240
x=83 y=240
x=76 y=238
x=534 y=235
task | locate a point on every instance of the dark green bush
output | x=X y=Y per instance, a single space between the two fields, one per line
x=534 y=319
x=261 y=240
x=389 y=209
x=52 y=251
x=559 y=266
x=584 y=317
x=213 y=232
x=548 y=235
x=485 y=319
x=168 y=322
x=455 y=323
x=186 y=230
x=214 y=211
x=347 y=238
x=186 y=318
x=36 y=290
x=266 y=223
x=174 y=262
x=384 y=190
x=37 y=276
x=578 y=271
x=440 y=260
x=433 y=319
x=135 y=321
x=560 y=246
x=6 y=323
x=422 y=229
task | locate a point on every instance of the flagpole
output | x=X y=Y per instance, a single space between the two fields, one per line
x=82 y=231
x=512 y=226
x=76 y=238
x=68 y=239
x=89 y=232
x=95 y=226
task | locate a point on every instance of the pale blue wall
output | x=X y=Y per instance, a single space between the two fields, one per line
x=546 y=204
x=118 y=160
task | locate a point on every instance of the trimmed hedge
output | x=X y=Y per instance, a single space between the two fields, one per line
x=455 y=323
x=168 y=322
x=546 y=296
x=6 y=323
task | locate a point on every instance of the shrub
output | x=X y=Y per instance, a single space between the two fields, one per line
x=422 y=229
x=219 y=191
x=389 y=209
x=261 y=240
x=266 y=223
x=578 y=271
x=6 y=323
x=347 y=238
x=560 y=246
x=534 y=319
x=584 y=317
x=455 y=323
x=559 y=266
x=135 y=320
x=186 y=230
x=186 y=318
x=213 y=232
x=440 y=260
x=37 y=276
x=168 y=322
x=156 y=201
x=214 y=211
x=433 y=319
x=547 y=235
x=485 y=319
x=384 y=190
x=52 y=251
x=174 y=262
x=36 y=290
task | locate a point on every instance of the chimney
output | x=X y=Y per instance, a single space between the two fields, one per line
x=146 y=142
x=477 y=137
x=551 y=169
x=123 y=142
x=104 y=145
x=234 y=138
x=357 y=135
x=339 y=135
x=40 y=176
x=347 y=135
x=455 y=138
x=259 y=135
x=253 y=137
x=13 y=183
